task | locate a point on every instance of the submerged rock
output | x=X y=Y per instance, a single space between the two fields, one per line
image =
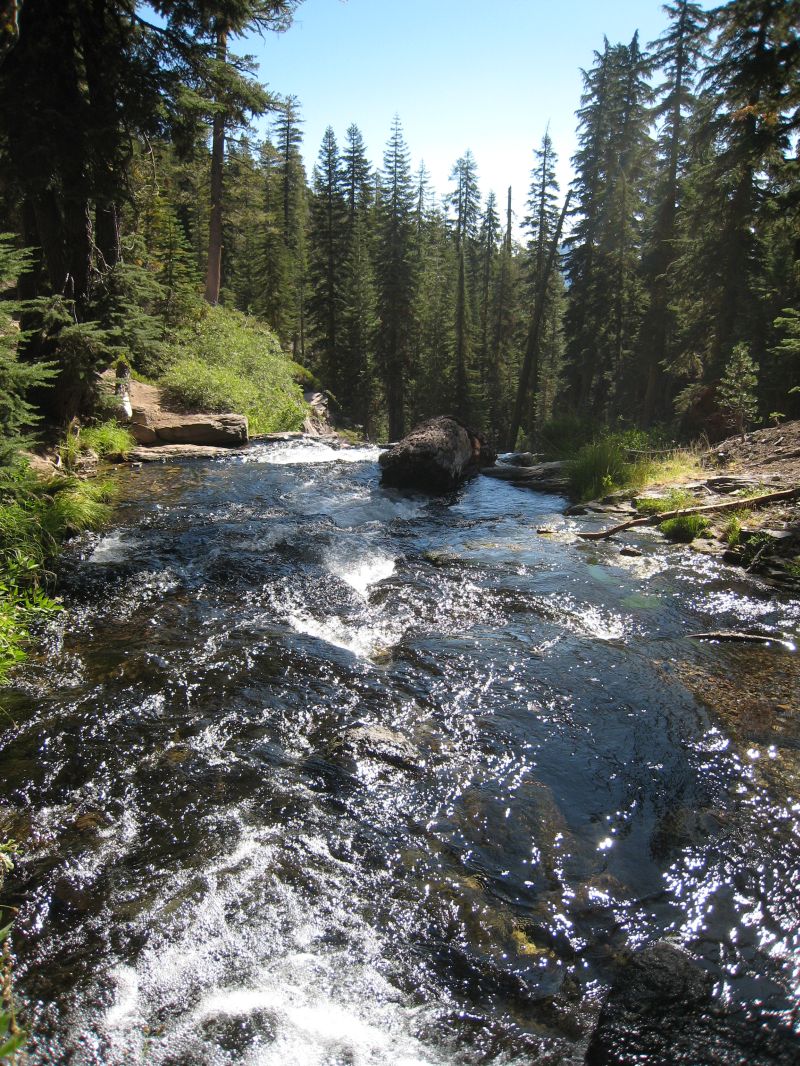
x=661 y=1010
x=380 y=744
x=437 y=455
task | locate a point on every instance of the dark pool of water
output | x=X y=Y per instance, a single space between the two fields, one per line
x=213 y=870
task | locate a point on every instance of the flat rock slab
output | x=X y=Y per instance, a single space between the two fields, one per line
x=170 y=452
x=225 y=430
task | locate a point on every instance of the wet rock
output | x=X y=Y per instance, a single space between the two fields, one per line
x=648 y=1008
x=576 y=509
x=436 y=456
x=521 y=459
x=634 y=553
x=661 y=1011
x=546 y=477
x=380 y=744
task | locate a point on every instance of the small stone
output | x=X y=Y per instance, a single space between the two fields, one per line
x=628 y=550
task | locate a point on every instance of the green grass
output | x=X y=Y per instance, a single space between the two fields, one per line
x=685 y=527
x=36 y=516
x=229 y=362
x=673 y=501
x=109 y=440
x=601 y=468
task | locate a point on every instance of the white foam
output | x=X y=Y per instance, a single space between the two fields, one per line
x=361 y=574
x=365 y=641
x=297 y=452
x=112 y=549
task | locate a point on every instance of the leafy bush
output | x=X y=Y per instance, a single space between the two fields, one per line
x=228 y=362
x=685 y=527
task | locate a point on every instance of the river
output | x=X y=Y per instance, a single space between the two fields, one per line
x=312 y=772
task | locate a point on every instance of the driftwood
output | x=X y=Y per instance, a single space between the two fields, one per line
x=743 y=638
x=727 y=505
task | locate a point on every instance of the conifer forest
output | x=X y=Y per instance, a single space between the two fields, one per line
x=134 y=178
x=399 y=584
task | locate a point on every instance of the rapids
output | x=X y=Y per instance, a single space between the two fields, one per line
x=208 y=875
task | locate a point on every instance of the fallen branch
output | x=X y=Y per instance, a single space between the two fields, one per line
x=744 y=638
x=726 y=505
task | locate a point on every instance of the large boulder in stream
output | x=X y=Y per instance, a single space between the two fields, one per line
x=437 y=456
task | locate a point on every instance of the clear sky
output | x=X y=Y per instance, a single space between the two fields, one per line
x=487 y=75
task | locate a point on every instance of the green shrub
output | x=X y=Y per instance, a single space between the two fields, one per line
x=685 y=527
x=228 y=362
x=563 y=436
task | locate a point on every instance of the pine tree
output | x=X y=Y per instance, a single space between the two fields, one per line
x=17 y=415
x=541 y=222
x=395 y=280
x=737 y=389
x=744 y=135
x=678 y=53
x=607 y=300
x=327 y=242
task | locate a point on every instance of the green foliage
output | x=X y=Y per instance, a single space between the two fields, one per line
x=737 y=389
x=17 y=378
x=684 y=528
x=229 y=362
x=564 y=435
x=673 y=501
x=732 y=531
x=598 y=469
x=35 y=517
x=109 y=440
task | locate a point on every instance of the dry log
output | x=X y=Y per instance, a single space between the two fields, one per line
x=726 y=505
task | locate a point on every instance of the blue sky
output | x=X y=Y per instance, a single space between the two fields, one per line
x=459 y=73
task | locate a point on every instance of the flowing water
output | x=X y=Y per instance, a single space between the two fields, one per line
x=314 y=772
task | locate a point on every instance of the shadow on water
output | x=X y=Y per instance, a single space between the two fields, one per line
x=314 y=772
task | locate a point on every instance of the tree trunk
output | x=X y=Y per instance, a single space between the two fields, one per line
x=214 y=270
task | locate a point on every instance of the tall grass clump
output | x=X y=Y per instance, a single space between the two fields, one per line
x=226 y=361
x=109 y=440
x=685 y=527
x=36 y=516
x=601 y=468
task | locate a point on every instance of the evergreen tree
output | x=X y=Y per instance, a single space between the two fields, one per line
x=17 y=415
x=678 y=53
x=541 y=222
x=327 y=239
x=607 y=300
x=744 y=135
x=737 y=389
x=395 y=279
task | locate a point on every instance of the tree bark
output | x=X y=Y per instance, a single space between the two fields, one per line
x=214 y=271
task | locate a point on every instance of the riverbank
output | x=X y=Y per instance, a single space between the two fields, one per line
x=762 y=537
